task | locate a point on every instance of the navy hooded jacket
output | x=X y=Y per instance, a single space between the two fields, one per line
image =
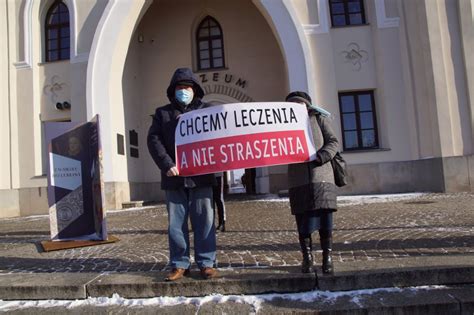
x=161 y=141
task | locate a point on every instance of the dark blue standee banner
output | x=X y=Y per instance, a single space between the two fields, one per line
x=75 y=181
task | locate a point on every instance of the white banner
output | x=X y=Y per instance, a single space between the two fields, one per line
x=243 y=135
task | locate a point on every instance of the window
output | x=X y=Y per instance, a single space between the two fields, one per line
x=359 y=126
x=210 y=45
x=347 y=12
x=57 y=34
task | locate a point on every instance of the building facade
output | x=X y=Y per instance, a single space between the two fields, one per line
x=397 y=76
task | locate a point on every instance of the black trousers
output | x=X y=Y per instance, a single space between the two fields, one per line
x=218 y=197
x=310 y=221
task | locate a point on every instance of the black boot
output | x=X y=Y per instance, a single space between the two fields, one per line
x=326 y=246
x=221 y=227
x=307 y=250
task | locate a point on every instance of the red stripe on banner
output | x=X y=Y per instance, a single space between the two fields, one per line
x=243 y=151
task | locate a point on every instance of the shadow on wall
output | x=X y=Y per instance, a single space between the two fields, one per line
x=85 y=36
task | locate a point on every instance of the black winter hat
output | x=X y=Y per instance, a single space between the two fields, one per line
x=185 y=83
x=298 y=96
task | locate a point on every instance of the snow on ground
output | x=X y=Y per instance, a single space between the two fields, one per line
x=364 y=199
x=254 y=300
x=354 y=200
x=131 y=209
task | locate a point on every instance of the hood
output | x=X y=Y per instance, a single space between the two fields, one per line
x=184 y=74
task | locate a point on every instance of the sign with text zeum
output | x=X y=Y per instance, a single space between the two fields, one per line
x=242 y=135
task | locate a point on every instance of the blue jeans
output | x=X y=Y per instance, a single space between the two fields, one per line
x=196 y=203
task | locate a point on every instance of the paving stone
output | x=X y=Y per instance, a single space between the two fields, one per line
x=259 y=233
x=406 y=234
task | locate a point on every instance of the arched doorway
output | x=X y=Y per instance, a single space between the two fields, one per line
x=153 y=39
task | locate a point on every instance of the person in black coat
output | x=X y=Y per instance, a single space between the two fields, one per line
x=185 y=196
x=313 y=193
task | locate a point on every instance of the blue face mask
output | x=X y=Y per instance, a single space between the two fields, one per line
x=184 y=96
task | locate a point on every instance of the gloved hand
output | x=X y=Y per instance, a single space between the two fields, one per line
x=322 y=157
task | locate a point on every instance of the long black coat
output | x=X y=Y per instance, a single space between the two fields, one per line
x=311 y=185
x=161 y=135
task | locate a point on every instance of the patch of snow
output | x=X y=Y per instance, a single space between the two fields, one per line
x=132 y=209
x=352 y=200
x=365 y=199
x=254 y=300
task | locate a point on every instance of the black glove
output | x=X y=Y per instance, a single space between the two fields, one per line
x=322 y=157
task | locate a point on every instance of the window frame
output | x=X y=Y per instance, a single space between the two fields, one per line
x=59 y=27
x=357 y=113
x=210 y=48
x=347 y=14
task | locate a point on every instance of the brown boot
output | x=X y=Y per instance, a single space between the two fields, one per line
x=209 y=272
x=176 y=274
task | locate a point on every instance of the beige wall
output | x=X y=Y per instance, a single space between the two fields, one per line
x=88 y=14
x=78 y=78
x=413 y=27
x=448 y=78
x=28 y=96
x=391 y=8
x=421 y=99
x=135 y=118
x=422 y=73
x=307 y=11
x=378 y=70
x=18 y=7
x=5 y=166
x=394 y=112
x=466 y=17
x=40 y=86
x=27 y=100
x=44 y=84
x=438 y=77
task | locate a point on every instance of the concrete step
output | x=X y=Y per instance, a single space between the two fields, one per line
x=414 y=300
x=235 y=281
x=425 y=300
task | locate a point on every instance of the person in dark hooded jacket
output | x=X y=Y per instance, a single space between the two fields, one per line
x=185 y=196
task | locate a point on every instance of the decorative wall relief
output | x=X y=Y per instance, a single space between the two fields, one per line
x=355 y=56
x=55 y=90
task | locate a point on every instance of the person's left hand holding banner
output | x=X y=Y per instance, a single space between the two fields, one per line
x=243 y=135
